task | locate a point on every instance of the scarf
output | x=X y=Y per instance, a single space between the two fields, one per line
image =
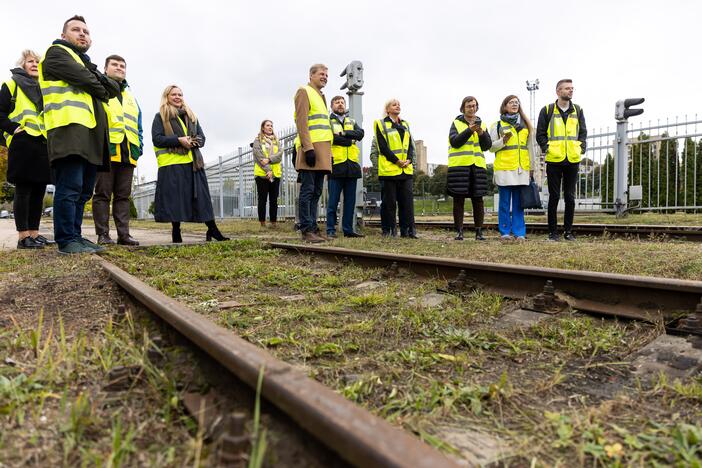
x=514 y=120
x=29 y=86
x=269 y=141
x=173 y=127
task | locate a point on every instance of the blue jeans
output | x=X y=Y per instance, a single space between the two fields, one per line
x=310 y=192
x=335 y=187
x=513 y=222
x=75 y=181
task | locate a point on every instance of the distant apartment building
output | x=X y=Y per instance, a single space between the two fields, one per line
x=421 y=156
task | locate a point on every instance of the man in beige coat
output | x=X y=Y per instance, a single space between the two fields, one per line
x=313 y=146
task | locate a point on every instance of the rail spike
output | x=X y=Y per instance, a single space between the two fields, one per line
x=547 y=301
x=692 y=323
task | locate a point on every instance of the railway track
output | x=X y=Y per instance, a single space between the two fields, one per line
x=675 y=303
x=642 y=231
x=358 y=436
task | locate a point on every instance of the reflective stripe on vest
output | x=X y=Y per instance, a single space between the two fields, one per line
x=400 y=148
x=276 y=168
x=165 y=157
x=563 y=137
x=63 y=103
x=515 y=153
x=25 y=113
x=343 y=153
x=468 y=154
x=317 y=118
x=123 y=118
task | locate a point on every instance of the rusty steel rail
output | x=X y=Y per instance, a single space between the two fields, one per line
x=643 y=231
x=632 y=297
x=353 y=432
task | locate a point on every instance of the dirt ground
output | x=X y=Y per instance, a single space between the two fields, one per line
x=67 y=334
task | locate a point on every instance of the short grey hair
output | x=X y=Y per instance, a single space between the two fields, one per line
x=388 y=103
x=26 y=53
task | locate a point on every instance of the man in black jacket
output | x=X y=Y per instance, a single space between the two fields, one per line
x=563 y=146
x=76 y=150
x=346 y=169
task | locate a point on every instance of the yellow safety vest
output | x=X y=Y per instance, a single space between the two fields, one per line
x=400 y=148
x=25 y=113
x=275 y=167
x=317 y=118
x=563 y=137
x=343 y=153
x=123 y=118
x=468 y=154
x=515 y=153
x=165 y=157
x=65 y=104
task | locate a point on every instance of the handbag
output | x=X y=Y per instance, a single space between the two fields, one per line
x=529 y=195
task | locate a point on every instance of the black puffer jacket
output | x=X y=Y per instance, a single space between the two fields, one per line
x=467 y=181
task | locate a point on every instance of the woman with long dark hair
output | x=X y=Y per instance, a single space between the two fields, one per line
x=22 y=125
x=182 y=193
x=467 y=173
x=513 y=144
x=267 y=154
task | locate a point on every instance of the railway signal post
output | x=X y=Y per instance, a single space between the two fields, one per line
x=354 y=82
x=622 y=112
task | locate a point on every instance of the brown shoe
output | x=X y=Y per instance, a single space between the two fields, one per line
x=321 y=235
x=311 y=237
x=263 y=224
x=129 y=240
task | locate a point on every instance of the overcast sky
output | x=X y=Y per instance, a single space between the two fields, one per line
x=240 y=62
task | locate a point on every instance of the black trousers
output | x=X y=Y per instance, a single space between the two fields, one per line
x=459 y=207
x=267 y=190
x=28 y=205
x=115 y=185
x=397 y=195
x=555 y=173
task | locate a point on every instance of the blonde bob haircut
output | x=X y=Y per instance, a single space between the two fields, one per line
x=389 y=103
x=168 y=111
x=26 y=53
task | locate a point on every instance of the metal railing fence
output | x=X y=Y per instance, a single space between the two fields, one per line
x=665 y=160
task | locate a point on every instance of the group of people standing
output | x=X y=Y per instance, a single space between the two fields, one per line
x=561 y=136
x=326 y=143
x=67 y=123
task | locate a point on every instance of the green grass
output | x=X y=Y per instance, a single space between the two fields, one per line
x=430 y=368
x=57 y=353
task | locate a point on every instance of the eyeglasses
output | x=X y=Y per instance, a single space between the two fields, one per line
x=513 y=102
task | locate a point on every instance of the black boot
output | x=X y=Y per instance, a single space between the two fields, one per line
x=175 y=233
x=479 y=234
x=213 y=232
x=459 y=235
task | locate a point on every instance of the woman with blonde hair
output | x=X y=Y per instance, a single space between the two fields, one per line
x=513 y=144
x=22 y=125
x=395 y=170
x=182 y=193
x=267 y=154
